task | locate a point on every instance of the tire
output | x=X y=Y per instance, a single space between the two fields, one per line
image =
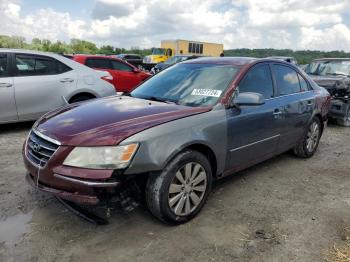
x=183 y=204
x=346 y=120
x=80 y=98
x=308 y=146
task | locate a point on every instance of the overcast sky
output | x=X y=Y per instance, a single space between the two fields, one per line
x=294 y=24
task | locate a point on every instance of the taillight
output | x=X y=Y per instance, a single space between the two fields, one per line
x=109 y=78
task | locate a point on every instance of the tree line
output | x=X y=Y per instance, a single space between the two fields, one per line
x=302 y=56
x=77 y=46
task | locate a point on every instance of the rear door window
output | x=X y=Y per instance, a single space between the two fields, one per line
x=3 y=65
x=287 y=80
x=258 y=80
x=98 y=63
x=28 y=65
x=45 y=66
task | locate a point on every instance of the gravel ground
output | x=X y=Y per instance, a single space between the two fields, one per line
x=285 y=209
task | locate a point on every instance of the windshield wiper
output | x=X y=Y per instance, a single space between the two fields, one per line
x=158 y=99
x=337 y=74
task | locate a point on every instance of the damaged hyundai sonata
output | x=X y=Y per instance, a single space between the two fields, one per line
x=192 y=123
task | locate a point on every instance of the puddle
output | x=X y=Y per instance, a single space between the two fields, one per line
x=13 y=228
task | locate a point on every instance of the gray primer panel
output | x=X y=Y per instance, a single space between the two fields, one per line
x=161 y=143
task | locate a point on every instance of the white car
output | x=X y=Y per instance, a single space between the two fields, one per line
x=33 y=83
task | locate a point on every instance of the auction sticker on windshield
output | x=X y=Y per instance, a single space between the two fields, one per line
x=206 y=92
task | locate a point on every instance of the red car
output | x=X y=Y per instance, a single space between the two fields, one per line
x=125 y=76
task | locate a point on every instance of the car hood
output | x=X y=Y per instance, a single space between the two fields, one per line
x=328 y=80
x=109 y=120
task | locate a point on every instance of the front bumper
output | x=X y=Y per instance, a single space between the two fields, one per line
x=80 y=185
x=74 y=197
x=338 y=109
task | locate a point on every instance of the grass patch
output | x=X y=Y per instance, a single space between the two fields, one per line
x=342 y=253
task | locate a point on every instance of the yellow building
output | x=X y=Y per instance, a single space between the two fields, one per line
x=170 y=48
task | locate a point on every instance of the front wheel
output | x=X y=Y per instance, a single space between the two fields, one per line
x=178 y=193
x=308 y=146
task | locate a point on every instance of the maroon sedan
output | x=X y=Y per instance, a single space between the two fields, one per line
x=193 y=122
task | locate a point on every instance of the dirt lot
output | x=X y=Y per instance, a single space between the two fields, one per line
x=285 y=209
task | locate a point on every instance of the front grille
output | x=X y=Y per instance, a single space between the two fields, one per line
x=39 y=149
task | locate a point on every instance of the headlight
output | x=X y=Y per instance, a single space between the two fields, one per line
x=102 y=157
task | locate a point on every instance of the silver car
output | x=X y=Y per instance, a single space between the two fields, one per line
x=33 y=83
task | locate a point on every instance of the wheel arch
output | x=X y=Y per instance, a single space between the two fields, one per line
x=200 y=147
x=82 y=93
x=319 y=116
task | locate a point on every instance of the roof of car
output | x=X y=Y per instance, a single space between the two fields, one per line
x=331 y=59
x=26 y=51
x=98 y=56
x=240 y=61
x=128 y=54
x=237 y=61
x=280 y=57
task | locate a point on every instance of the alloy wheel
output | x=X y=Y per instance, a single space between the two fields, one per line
x=187 y=189
x=312 y=136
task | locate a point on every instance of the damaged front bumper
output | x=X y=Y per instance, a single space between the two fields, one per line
x=338 y=109
x=70 y=196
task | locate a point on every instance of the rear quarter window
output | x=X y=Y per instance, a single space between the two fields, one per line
x=304 y=85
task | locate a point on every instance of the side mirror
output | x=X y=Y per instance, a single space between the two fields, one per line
x=249 y=99
x=136 y=70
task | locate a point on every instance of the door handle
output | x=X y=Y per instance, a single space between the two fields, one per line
x=5 y=85
x=310 y=103
x=277 y=113
x=66 y=80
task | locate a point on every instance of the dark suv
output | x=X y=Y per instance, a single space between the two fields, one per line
x=134 y=59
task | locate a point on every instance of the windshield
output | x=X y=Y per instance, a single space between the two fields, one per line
x=329 y=68
x=170 y=61
x=158 y=51
x=174 y=60
x=188 y=84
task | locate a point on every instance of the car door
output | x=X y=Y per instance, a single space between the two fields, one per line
x=8 y=110
x=253 y=131
x=127 y=77
x=40 y=84
x=296 y=101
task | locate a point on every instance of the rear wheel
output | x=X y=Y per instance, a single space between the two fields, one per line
x=178 y=193
x=308 y=146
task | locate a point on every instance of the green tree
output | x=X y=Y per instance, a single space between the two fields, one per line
x=106 y=50
x=83 y=47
